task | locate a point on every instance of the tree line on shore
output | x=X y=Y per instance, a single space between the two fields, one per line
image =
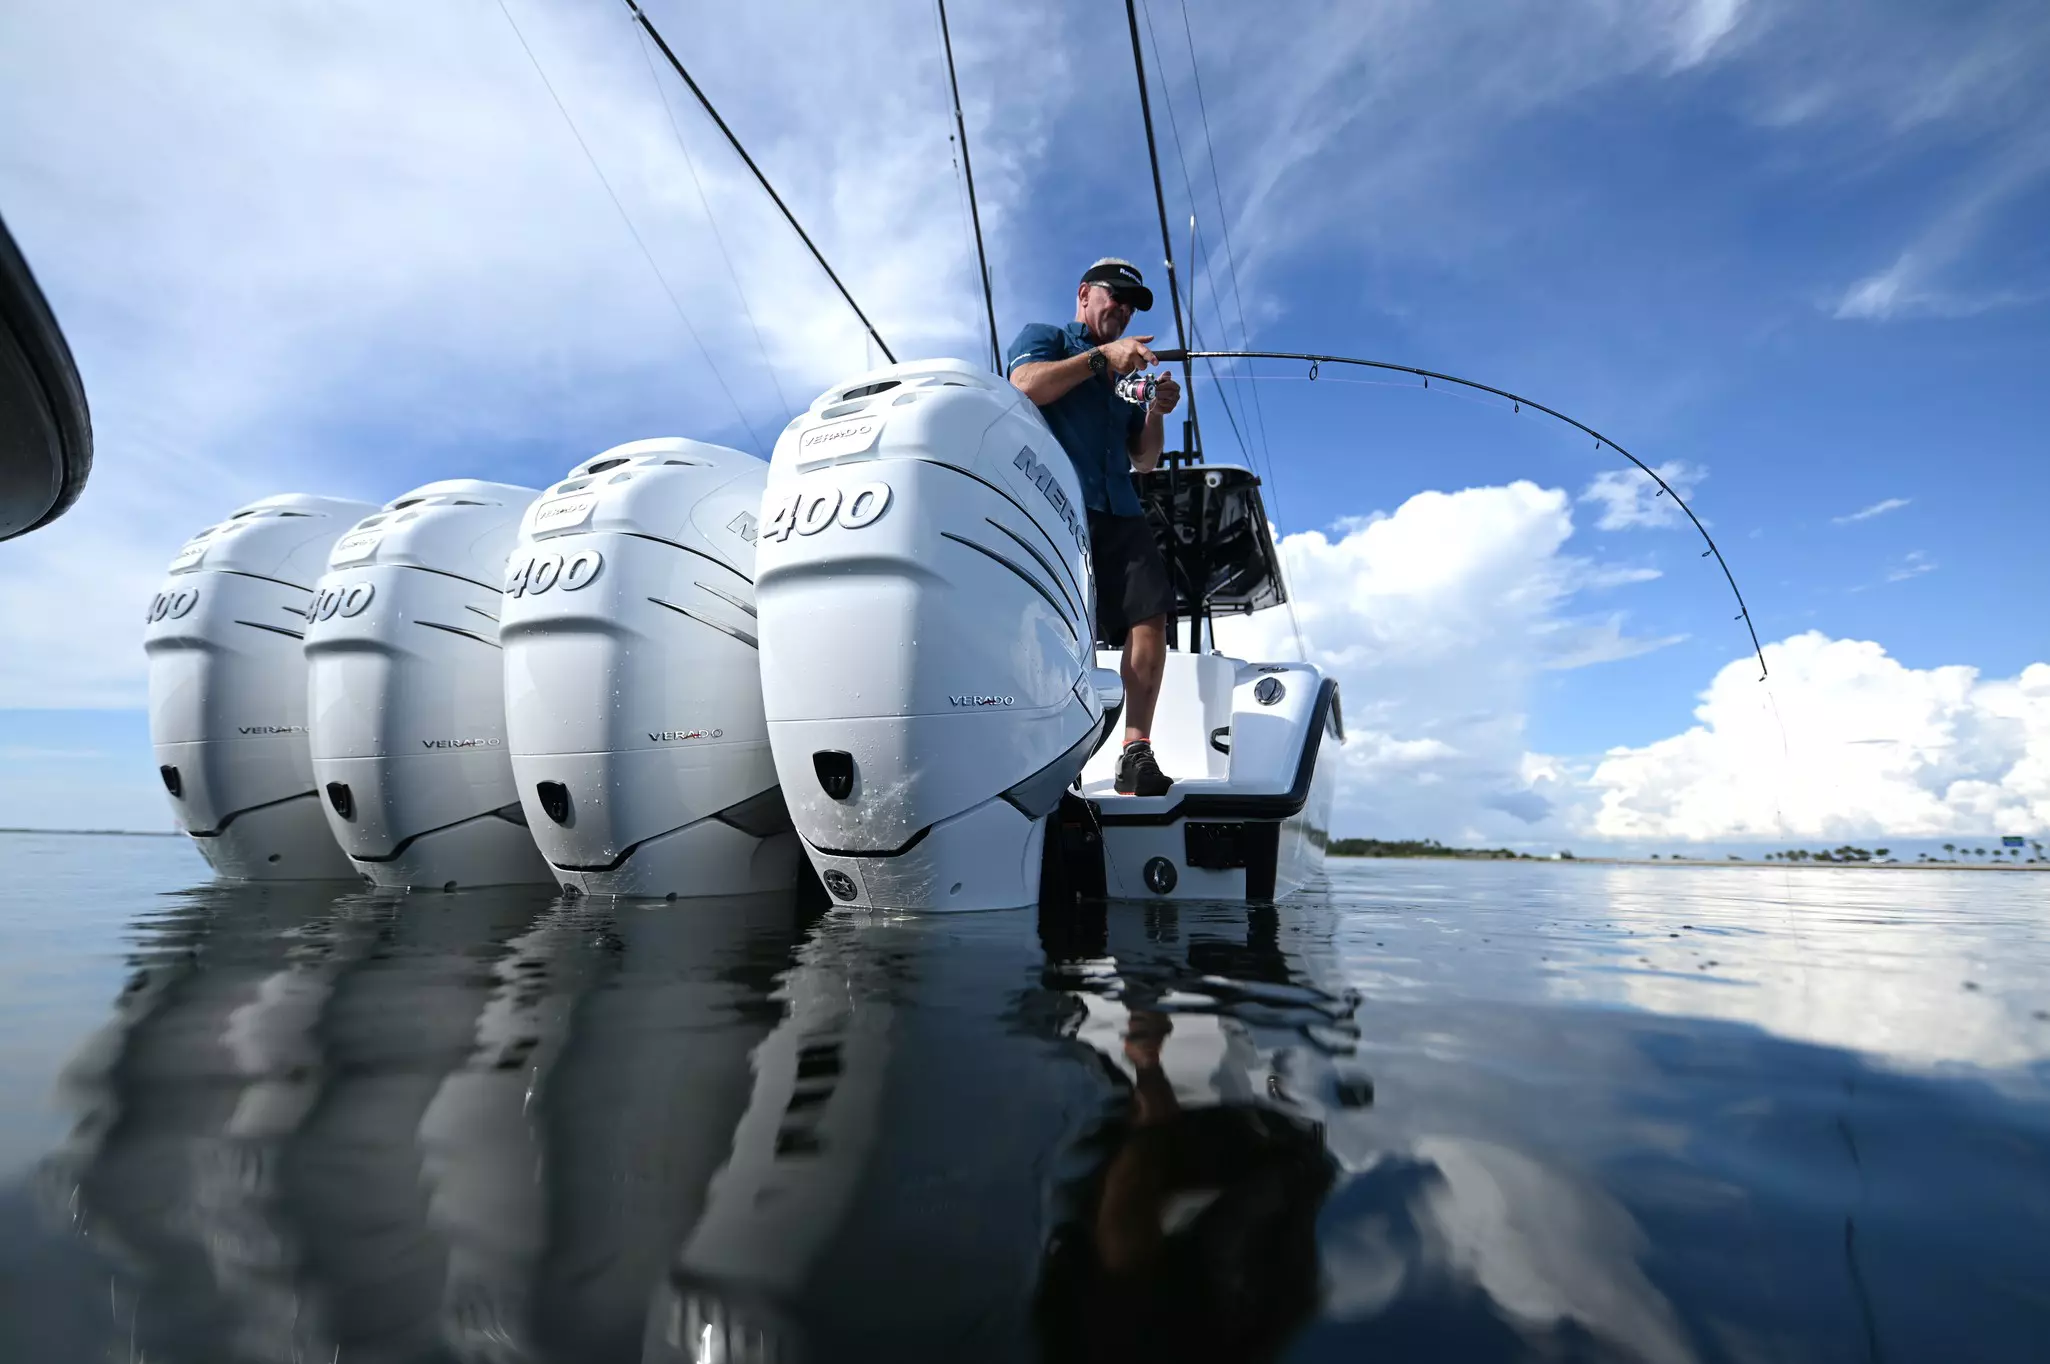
x=1847 y=853
x=1414 y=847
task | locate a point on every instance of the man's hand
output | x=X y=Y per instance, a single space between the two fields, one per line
x=1166 y=393
x=1127 y=354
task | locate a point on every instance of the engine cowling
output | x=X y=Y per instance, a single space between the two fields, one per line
x=926 y=601
x=632 y=677
x=406 y=691
x=227 y=688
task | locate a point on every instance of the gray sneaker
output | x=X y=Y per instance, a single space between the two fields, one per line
x=1138 y=774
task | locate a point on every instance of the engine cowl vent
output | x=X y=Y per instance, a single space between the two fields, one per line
x=835 y=769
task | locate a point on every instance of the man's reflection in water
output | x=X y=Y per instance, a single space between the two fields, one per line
x=1442 y=1234
x=1194 y=1238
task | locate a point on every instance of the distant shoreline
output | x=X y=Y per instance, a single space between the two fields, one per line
x=1688 y=862
x=1754 y=863
x=99 y=833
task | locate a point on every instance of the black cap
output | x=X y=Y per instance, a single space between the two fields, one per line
x=1122 y=278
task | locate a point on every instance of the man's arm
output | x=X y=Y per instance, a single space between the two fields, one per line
x=1148 y=441
x=1048 y=381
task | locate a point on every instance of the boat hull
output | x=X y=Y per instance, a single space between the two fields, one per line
x=1256 y=747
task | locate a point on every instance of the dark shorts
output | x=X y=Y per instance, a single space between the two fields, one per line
x=1132 y=585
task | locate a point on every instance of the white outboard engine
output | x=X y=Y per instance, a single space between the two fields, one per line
x=926 y=626
x=632 y=677
x=406 y=691
x=227 y=688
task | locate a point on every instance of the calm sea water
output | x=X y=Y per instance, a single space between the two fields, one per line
x=1433 y=1111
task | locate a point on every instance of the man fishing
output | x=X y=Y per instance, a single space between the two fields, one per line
x=1070 y=373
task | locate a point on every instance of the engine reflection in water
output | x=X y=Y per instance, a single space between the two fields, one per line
x=1476 y=1112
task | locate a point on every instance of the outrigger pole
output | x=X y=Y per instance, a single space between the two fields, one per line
x=641 y=18
x=1519 y=402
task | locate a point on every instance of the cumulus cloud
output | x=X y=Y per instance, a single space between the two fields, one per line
x=1436 y=619
x=1880 y=508
x=1843 y=742
x=1439 y=618
x=1631 y=501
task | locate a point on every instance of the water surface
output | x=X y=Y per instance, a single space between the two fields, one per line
x=1433 y=1110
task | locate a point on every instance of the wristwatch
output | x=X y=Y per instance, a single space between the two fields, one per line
x=1098 y=366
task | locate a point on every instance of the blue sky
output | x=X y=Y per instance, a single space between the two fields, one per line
x=1795 y=251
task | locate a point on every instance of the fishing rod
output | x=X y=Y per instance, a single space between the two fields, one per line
x=989 y=302
x=1519 y=402
x=641 y=18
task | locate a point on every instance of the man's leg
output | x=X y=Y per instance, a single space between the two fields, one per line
x=1142 y=664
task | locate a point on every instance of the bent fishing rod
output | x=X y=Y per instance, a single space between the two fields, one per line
x=1518 y=402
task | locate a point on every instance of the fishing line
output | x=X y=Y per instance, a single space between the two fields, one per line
x=1230 y=262
x=690 y=164
x=1192 y=429
x=633 y=231
x=1195 y=332
x=1518 y=402
x=1295 y=625
x=996 y=345
x=1181 y=333
x=1252 y=452
x=1195 y=258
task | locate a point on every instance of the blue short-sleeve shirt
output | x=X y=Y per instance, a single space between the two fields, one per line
x=1092 y=423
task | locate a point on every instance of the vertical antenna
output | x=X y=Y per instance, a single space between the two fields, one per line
x=1181 y=336
x=1196 y=445
x=996 y=345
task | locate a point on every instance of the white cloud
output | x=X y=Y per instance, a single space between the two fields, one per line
x=1437 y=619
x=1932 y=277
x=1876 y=296
x=1339 y=121
x=1912 y=565
x=1909 y=566
x=1700 y=28
x=1880 y=508
x=347 y=249
x=1907 y=288
x=1340 y=124
x=1792 y=758
x=1629 y=500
